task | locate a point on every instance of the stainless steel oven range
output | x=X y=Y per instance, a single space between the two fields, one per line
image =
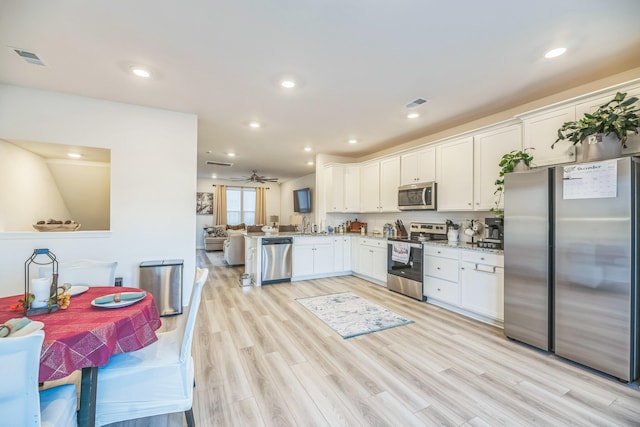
x=404 y=258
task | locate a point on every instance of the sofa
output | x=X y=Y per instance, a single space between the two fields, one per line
x=215 y=235
x=233 y=249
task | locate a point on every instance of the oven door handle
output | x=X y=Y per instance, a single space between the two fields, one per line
x=411 y=245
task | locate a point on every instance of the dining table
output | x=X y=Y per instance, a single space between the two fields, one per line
x=86 y=334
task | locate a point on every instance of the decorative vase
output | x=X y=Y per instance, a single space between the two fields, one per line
x=601 y=147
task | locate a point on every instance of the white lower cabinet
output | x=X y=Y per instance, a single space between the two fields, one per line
x=482 y=284
x=312 y=256
x=469 y=280
x=372 y=259
x=341 y=253
x=441 y=274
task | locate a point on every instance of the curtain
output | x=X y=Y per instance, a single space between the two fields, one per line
x=220 y=202
x=261 y=205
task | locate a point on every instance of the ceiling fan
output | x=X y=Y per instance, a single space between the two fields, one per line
x=255 y=178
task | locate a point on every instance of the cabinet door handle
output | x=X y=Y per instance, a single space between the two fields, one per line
x=438 y=289
x=485 y=268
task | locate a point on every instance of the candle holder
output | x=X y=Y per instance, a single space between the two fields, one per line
x=41 y=257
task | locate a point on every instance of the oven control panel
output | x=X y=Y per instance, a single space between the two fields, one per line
x=428 y=229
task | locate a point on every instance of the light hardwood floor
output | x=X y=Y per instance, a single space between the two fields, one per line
x=264 y=360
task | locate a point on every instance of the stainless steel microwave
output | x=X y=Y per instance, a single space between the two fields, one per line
x=417 y=196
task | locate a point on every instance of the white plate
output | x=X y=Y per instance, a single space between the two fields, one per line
x=31 y=327
x=116 y=304
x=77 y=290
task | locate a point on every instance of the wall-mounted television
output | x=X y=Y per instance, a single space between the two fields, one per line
x=302 y=200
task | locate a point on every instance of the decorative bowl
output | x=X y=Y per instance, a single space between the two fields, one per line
x=57 y=227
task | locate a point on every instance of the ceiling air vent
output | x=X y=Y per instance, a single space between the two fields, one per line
x=416 y=103
x=214 y=163
x=30 y=57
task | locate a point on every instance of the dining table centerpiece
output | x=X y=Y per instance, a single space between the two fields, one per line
x=40 y=293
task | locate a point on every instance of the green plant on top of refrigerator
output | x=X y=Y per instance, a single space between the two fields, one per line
x=513 y=160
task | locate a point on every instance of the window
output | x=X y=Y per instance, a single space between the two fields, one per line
x=241 y=205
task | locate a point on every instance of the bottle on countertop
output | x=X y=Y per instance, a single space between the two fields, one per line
x=362 y=230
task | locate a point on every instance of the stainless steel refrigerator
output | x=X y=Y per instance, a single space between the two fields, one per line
x=571 y=262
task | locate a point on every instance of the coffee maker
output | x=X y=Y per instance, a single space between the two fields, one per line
x=493 y=234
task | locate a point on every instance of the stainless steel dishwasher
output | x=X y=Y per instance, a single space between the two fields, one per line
x=276 y=259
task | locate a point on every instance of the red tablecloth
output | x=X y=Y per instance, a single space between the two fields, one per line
x=83 y=335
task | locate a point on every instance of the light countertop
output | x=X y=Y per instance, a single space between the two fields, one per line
x=459 y=245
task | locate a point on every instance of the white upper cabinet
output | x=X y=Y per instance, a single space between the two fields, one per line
x=455 y=175
x=488 y=149
x=352 y=189
x=379 y=184
x=342 y=188
x=389 y=183
x=418 y=166
x=541 y=130
x=370 y=177
x=334 y=188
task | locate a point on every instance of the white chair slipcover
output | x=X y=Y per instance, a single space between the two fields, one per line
x=154 y=380
x=20 y=402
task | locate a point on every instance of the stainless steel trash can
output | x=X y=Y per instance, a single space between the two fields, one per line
x=163 y=279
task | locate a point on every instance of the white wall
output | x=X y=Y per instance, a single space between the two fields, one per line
x=26 y=187
x=286 y=199
x=206 y=186
x=153 y=181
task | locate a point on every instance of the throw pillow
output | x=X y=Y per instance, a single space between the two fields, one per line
x=219 y=231
x=236 y=227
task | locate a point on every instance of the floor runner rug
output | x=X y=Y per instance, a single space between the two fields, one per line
x=350 y=315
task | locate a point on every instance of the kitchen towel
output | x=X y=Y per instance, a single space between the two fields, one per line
x=400 y=252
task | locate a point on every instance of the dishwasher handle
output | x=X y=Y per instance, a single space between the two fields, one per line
x=277 y=241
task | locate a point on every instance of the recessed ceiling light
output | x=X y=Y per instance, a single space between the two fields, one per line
x=413 y=115
x=74 y=155
x=214 y=176
x=141 y=72
x=288 y=84
x=353 y=141
x=555 y=52
x=254 y=125
x=307 y=148
x=309 y=163
x=231 y=154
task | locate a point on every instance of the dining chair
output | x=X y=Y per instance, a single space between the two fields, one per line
x=86 y=272
x=21 y=404
x=155 y=380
